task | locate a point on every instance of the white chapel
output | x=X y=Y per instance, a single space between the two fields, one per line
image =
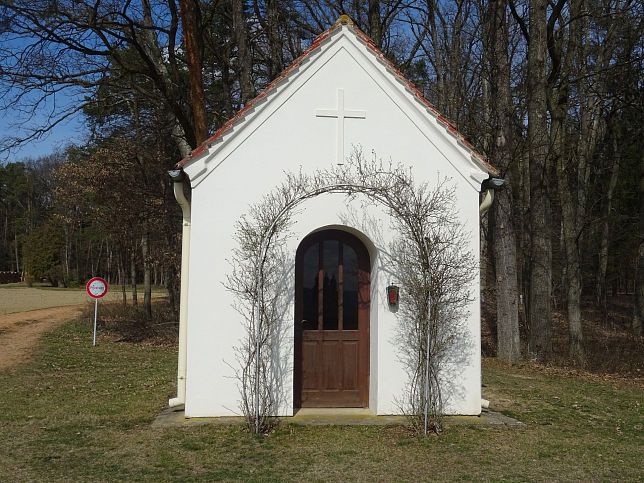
x=340 y=96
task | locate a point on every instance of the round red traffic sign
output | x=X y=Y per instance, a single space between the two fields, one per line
x=96 y=287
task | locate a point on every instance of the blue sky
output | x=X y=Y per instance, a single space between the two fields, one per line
x=15 y=120
x=69 y=132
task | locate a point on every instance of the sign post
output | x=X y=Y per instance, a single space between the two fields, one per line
x=96 y=288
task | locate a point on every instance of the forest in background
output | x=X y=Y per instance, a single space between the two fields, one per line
x=551 y=91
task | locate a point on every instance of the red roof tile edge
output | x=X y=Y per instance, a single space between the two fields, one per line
x=344 y=20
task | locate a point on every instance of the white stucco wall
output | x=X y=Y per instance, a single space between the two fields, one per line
x=284 y=135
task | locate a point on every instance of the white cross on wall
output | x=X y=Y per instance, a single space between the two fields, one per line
x=341 y=113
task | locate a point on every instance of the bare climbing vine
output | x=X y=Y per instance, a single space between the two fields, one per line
x=428 y=257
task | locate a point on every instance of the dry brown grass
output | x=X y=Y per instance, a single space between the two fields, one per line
x=610 y=346
x=20 y=298
x=130 y=324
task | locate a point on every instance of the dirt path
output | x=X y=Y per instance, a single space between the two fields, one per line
x=26 y=313
x=21 y=331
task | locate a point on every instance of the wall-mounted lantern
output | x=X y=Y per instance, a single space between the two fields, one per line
x=392 y=295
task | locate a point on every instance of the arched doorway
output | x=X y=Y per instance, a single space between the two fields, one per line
x=332 y=300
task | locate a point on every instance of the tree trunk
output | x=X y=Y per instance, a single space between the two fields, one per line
x=244 y=58
x=539 y=311
x=523 y=219
x=507 y=310
x=375 y=23
x=122 y=278
x=504 y=237
x=183 y=129
x=147 y=285
x=182 y=123
x=15 y=238
x=436 y=54
x=67 y=252
x=638 y=312
x=573 y=264
x=573 y=170
x=226 y=86
x=135 y=300
x=571 y=214
x=98 y=257
x=274 y=40
x=171 y=286
x=108 y=264
x=5 y=239
x=191 y=20
x=123 y=289
x=601 y=289
x=79 y=274
x=455 y=65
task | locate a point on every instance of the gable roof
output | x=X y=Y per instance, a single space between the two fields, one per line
x=321 y=39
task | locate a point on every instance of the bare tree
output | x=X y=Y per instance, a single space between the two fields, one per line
x=191 y=23
x=503 y=237
x=572 y=200
x=638 y=311
x=539 y=309
x=67 y=50
x=244 y=59
x=607 y=206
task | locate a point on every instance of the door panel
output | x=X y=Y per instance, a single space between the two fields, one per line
x=332 y=321
x=350 y=375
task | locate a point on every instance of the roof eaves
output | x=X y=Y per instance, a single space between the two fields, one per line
x=268 y=90
x=476 y=157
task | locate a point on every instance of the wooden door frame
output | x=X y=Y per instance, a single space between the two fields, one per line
x=364 y=262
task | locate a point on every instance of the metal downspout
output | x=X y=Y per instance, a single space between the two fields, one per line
x=177 y=177
x=488 y=198
x=489 y=185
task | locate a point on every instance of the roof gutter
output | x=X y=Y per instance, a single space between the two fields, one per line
x=177 y=176
x=488 y=186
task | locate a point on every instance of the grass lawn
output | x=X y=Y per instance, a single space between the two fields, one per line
x=78 y=412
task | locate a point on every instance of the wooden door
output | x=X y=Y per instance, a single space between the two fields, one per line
x=332 y=321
